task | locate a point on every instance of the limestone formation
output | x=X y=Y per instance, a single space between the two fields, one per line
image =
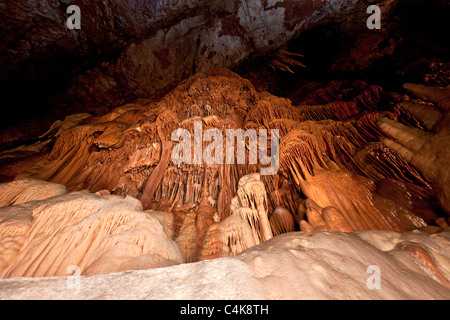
x=261 y=149
x=28 y=189
x=96 y=234
x=300 y=266
x=425 y=149
x=144 y=49
x=227 y=238
x=281 y=221
x=330 y=155
x=251 y=205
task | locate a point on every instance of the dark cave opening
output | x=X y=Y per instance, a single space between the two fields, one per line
x=415 y=29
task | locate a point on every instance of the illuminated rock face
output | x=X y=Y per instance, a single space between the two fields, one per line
x=427 y=151
x=356 y=168
x=291 y=266
x=96 y=234
x=129 y=151
x=143 y=49
x=332 y=166
x=334 y=176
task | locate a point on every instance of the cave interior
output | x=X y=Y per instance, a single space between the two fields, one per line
x=362 y=117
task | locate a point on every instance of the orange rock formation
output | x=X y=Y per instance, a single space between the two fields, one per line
x=334 y=175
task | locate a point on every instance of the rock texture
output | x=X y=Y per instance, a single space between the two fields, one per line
x=334 y=173
x=28 y=189
x=157 y=40
x=139 y=170
x=145 y=48
x=426 y=148
x=97 y=234
x=251 y=205
x=303 y=266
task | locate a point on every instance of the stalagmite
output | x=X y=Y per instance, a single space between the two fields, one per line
x=281 y=221
x=227 y=238
x=251 y=205
x=98 y=234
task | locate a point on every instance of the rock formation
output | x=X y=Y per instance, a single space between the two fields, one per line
x=332 y=144
x=330 y=177
x=97 y=234
x=291 y=266
x=425 y=148
x=140 y=49
x=165 y=133
x=25 y=190
x=251 y=205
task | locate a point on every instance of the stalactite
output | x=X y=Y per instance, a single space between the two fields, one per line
x=334 y=174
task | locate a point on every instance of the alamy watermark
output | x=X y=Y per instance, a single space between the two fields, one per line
x=374 y=281
x=191 y=152
x=374 y=21
x=73 y=281
x=74 y=20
